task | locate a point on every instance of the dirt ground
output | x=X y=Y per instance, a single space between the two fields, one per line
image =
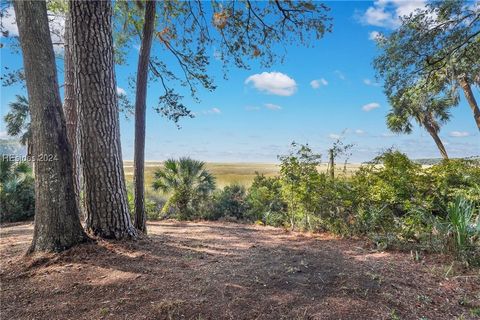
x=218 y=270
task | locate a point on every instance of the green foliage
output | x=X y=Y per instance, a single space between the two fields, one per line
x=390 y=180
x=265 y=200
x=434 y=52
x=463 y=224
x=416 y=50
x=392 y=200
x=188 y=184
x=453 y=178
x=17 y=191
x=300 y=182
x=17 y=119
x=230 y=202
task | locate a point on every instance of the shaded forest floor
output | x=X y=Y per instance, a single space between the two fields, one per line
x=215 y=270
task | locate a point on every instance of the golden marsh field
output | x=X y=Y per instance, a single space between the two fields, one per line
x=229 y=173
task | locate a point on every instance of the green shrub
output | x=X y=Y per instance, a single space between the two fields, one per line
x=301 y=184
x=451 y=179
x=265 y=201
x=391 y=180
x=17 y=191
x=230 y=202
x=188 y=185
x=464 y=226
x=391 y=200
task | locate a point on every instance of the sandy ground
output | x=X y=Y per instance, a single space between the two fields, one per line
x=217 y=270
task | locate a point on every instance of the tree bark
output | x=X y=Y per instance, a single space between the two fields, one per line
x=140 y=109
x=95 y=87
x=433 y=131
x=467 y=90
x=57 y=226
x=71 y=114
x=332 y=164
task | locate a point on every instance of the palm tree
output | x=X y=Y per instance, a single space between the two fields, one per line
x=16 y=190
x=188 y=183
x=422 y=104
x=18 y=122
x=9 y=171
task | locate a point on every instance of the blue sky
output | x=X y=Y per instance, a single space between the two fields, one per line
x=316 y=95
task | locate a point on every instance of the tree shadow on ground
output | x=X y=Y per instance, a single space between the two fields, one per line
x=216 y=271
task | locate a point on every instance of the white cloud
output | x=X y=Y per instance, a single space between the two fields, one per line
x=370 y=106
x=388 y=134
x=359 y=132
x=273 y=83
x=374 y=35
x=9 y=23
x=387 y=13
x=404 y=8
x=317 y=83
x=334 y=136
x=121 y=91
x=57 y=31
x=56 y=23
x=340 y=74
x=212 y=111
x=369 y=82
x=3 y=134
x=459 y=134
x=378 y=16
x=272 y=106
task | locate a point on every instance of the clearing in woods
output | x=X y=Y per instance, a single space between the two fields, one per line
x=218 y=270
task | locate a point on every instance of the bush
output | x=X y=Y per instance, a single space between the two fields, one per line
x=451 y=179
x=464 y=226
x=265 y=201
x=391 y=200
x=188 y=185
x=17 y=191
x=301 y=184
x=390 y=180
x=230 y=202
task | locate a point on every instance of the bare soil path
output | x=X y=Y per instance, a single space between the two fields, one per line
x=217 y=270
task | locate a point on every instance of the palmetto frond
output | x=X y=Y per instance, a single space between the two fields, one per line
x=18 y=118
x=6 y=170
x=12 y=174
x=421 y=103
x=186 y=176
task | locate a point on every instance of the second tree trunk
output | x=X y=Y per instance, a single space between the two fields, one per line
x=95 y=87
x=140 y=108
x=467 y=90
x=71 y=114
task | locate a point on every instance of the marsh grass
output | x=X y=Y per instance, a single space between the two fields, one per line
x=232 y=173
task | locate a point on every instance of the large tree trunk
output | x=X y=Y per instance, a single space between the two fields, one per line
x=140 y=109
x=57 y=226
x=467 y=90
x=95 y=88
x=433 y=131
x=71 y=115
